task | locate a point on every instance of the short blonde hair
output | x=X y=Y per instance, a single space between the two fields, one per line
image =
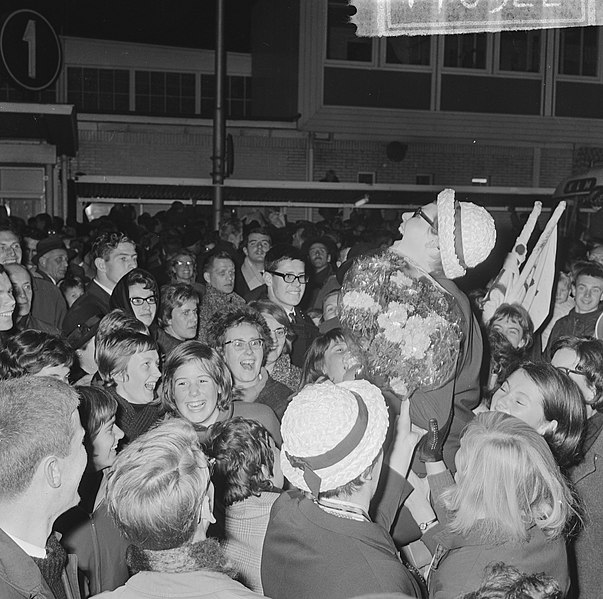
x=507 y=480
x=157 y=486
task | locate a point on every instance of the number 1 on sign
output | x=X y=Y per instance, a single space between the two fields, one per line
x=30 y=38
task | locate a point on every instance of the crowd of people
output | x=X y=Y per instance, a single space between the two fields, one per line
x=183 y=415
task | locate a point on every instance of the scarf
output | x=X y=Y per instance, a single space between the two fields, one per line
x=190 y=557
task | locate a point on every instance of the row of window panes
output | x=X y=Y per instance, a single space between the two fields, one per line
x=156 y=92
x=520 y=51
x=11 y=93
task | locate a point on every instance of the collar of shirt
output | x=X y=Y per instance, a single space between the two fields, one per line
x=31 y=550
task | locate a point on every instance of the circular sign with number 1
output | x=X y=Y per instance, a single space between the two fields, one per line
x=30 y=50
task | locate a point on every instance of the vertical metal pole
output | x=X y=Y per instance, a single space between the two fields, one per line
x=219 y=117
x=64 y=179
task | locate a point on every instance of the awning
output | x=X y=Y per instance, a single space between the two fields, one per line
x=54 y=123
x=298 y=193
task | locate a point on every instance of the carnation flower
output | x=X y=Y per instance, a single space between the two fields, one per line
x=403 y=326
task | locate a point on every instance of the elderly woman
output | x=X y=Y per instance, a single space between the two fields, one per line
x=197 y=385
x=278 y=362
x=137 y=294
x=245 y=470
x=243 y=338
x=510 y=504
x=182 y=268
x=177 y=316
x=160 y=496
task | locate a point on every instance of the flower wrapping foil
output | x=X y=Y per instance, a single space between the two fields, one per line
x=403 y=327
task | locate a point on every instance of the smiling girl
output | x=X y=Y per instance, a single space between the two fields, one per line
x=197 y=385
x=128 y=363
x=87 y=529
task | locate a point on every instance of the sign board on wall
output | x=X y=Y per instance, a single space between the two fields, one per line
x=429 y=17
x=30 y=50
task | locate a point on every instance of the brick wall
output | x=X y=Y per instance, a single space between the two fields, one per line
x=172 y=151
x=450 y=164
x=185 y=152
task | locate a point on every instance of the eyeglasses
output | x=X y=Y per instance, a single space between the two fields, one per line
x=183 y=263
x=253 y=244
x=240 y=345
x=419 y=212
x=280 y=332
x=290 y=277
x=569 y=371
x=138 y=301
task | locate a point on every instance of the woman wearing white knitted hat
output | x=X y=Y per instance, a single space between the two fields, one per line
x=321 y=540
x=445 y=238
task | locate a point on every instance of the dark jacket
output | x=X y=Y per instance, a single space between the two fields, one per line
x=48 y=304
x=588 y=547
x=459 y=561
x=20 y=577
x=462 y=392
x=309 y=554
x=95 y=302
x=574 y=324
x=303 y=327
x=99 y=546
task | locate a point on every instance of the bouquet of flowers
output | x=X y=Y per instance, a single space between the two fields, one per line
x=402 y=325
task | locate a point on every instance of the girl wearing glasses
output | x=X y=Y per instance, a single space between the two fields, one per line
x=197 y=385
x=244 y=340
x=136 y=293
x=278 y=362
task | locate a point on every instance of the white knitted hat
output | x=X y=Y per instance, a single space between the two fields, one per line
x=332 y=434
x=466 y=234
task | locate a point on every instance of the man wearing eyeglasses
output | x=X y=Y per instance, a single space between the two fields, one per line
x=255 y=245
x=285 y=281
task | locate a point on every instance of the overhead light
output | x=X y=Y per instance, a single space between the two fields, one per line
x=480 y=180
x=362 y=201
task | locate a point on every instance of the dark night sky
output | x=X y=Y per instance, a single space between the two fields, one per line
x=186 y=23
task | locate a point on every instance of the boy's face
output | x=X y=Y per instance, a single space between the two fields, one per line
x=510 y=329
x=588 y=292
x=563 y=289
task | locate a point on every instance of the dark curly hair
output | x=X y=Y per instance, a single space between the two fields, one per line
x=29 y=351
x=221 y=322
x=244 y=458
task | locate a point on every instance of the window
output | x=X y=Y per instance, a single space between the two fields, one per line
x=342 y=43
x=410 y=50
x=165 y=93
x=238 y=96
x=98 y=90
x=578 y=51
x=12 y=93
x=466 y=51
x=520 y=51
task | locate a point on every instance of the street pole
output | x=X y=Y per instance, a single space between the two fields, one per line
x=219 y=118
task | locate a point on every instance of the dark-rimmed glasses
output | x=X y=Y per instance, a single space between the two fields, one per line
x=138 y=301
x=419 y=212
x=290 y=277
x=569 y=371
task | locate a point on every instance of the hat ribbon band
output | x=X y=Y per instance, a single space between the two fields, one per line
x=344 y=448
x=458 y=234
